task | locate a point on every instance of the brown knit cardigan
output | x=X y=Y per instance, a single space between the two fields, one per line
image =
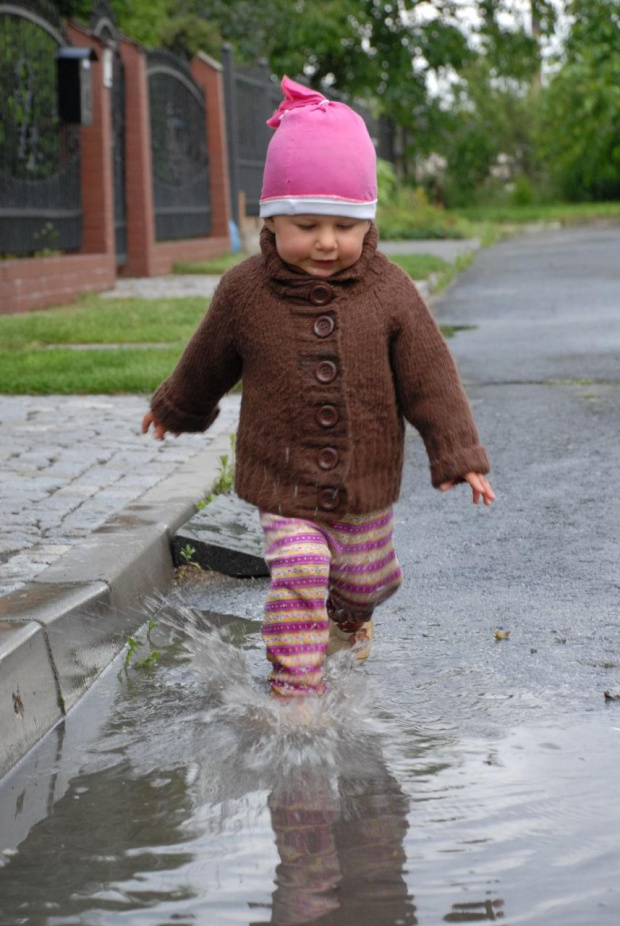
x=331 y=368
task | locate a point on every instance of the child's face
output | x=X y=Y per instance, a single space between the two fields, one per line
x=319 y=244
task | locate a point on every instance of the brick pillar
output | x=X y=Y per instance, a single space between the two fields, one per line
x=96 y=159
x=138 y=164
x=208 y=73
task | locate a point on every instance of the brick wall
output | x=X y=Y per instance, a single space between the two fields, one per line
x=37 y=282
x=34 y=283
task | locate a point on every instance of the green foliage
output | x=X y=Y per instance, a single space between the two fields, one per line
x=187 y=553
x=387 y=181
x=565 y=213
x=186 y=35
x=226 y=478
x=581 y=109
x=216 y=266
x=134 y=645
x=412 y=216
x=419 y=266
x=489 y=137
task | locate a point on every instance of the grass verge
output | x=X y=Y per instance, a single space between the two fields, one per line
x=565 y=213
x=35 y=348
x=420 y=266
x=61 y=372
x=214 y=267
x=94 y=320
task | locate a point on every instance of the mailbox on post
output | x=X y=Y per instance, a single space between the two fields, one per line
x=75 y=84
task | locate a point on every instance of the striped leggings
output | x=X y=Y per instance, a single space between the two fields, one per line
x=351 y=561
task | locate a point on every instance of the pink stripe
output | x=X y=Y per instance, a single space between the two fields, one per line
x=300 y=560
x=298 y=648
x=294 y=582
x=295 y=627
x=368 y=589
x=290 y=539
x=296 y=604
x=346 y=548
x=363 y=528
x=364 y=568
x=297 y=670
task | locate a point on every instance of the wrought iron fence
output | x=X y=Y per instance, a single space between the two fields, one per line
x=179 y=149
x=40 y=196
x=250 y=96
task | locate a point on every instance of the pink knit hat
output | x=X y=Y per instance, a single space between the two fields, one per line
x=321 y=160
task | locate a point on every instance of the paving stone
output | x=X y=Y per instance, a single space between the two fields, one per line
x=61 y=502
x=97 y=476
x=15 y=541
x=94 y=463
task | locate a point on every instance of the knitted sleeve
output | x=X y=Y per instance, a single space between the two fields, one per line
x=209 y=367
x=431 y=394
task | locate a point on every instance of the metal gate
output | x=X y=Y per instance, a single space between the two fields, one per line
x=251 y=97
x=103 y=25
x=179 y=149
x=40 y=196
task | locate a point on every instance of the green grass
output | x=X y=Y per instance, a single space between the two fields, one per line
x=37 y=372
x=94 y=320
x=35 y=358
x=419 y=266
x=216 y=267
x=566 y=213
x=27 y=367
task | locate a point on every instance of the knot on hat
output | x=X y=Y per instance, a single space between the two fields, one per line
x=295 y=96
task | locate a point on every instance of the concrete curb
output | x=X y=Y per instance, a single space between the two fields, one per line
x=59 y=632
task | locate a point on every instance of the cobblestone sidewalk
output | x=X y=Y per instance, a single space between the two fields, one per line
x=68 y=463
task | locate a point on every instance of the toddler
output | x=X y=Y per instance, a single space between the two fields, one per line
x=336 y=349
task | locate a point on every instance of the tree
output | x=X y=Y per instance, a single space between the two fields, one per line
x=581 y=139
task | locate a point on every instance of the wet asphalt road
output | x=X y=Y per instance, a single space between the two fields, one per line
x=542 y=368
x=485 y=785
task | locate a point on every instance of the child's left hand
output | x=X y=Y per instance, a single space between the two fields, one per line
x=481 y=487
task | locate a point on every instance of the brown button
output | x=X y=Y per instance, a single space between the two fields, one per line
x=328 y=416
x=329 y=499
x=327 y=458
x=320 y=294
x=324 y=326
x=325 y=371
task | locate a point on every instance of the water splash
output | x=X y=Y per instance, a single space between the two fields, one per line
x=253 y=740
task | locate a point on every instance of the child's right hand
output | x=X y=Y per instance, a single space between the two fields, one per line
x=159 y=429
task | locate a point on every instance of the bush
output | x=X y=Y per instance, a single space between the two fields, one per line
x=411 y=216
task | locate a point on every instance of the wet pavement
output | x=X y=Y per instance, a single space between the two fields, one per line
x=452 y=778
x=71 y=462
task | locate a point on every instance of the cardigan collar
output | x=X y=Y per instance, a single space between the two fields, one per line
x=290 y=280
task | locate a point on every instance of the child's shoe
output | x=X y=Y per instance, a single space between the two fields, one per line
x=348 y=632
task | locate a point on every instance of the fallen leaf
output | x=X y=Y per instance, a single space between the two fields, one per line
x=501 y=634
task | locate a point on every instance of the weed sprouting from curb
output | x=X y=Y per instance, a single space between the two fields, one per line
x=187 y=553
x=134 y=644
x=226 y=479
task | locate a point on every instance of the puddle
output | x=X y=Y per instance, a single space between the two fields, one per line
x=184 y=794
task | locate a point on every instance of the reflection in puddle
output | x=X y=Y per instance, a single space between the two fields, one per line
x=485 y=911
x=185 y=794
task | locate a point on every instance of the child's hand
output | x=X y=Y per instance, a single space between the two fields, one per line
x=159 y=430
x=480 y=486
